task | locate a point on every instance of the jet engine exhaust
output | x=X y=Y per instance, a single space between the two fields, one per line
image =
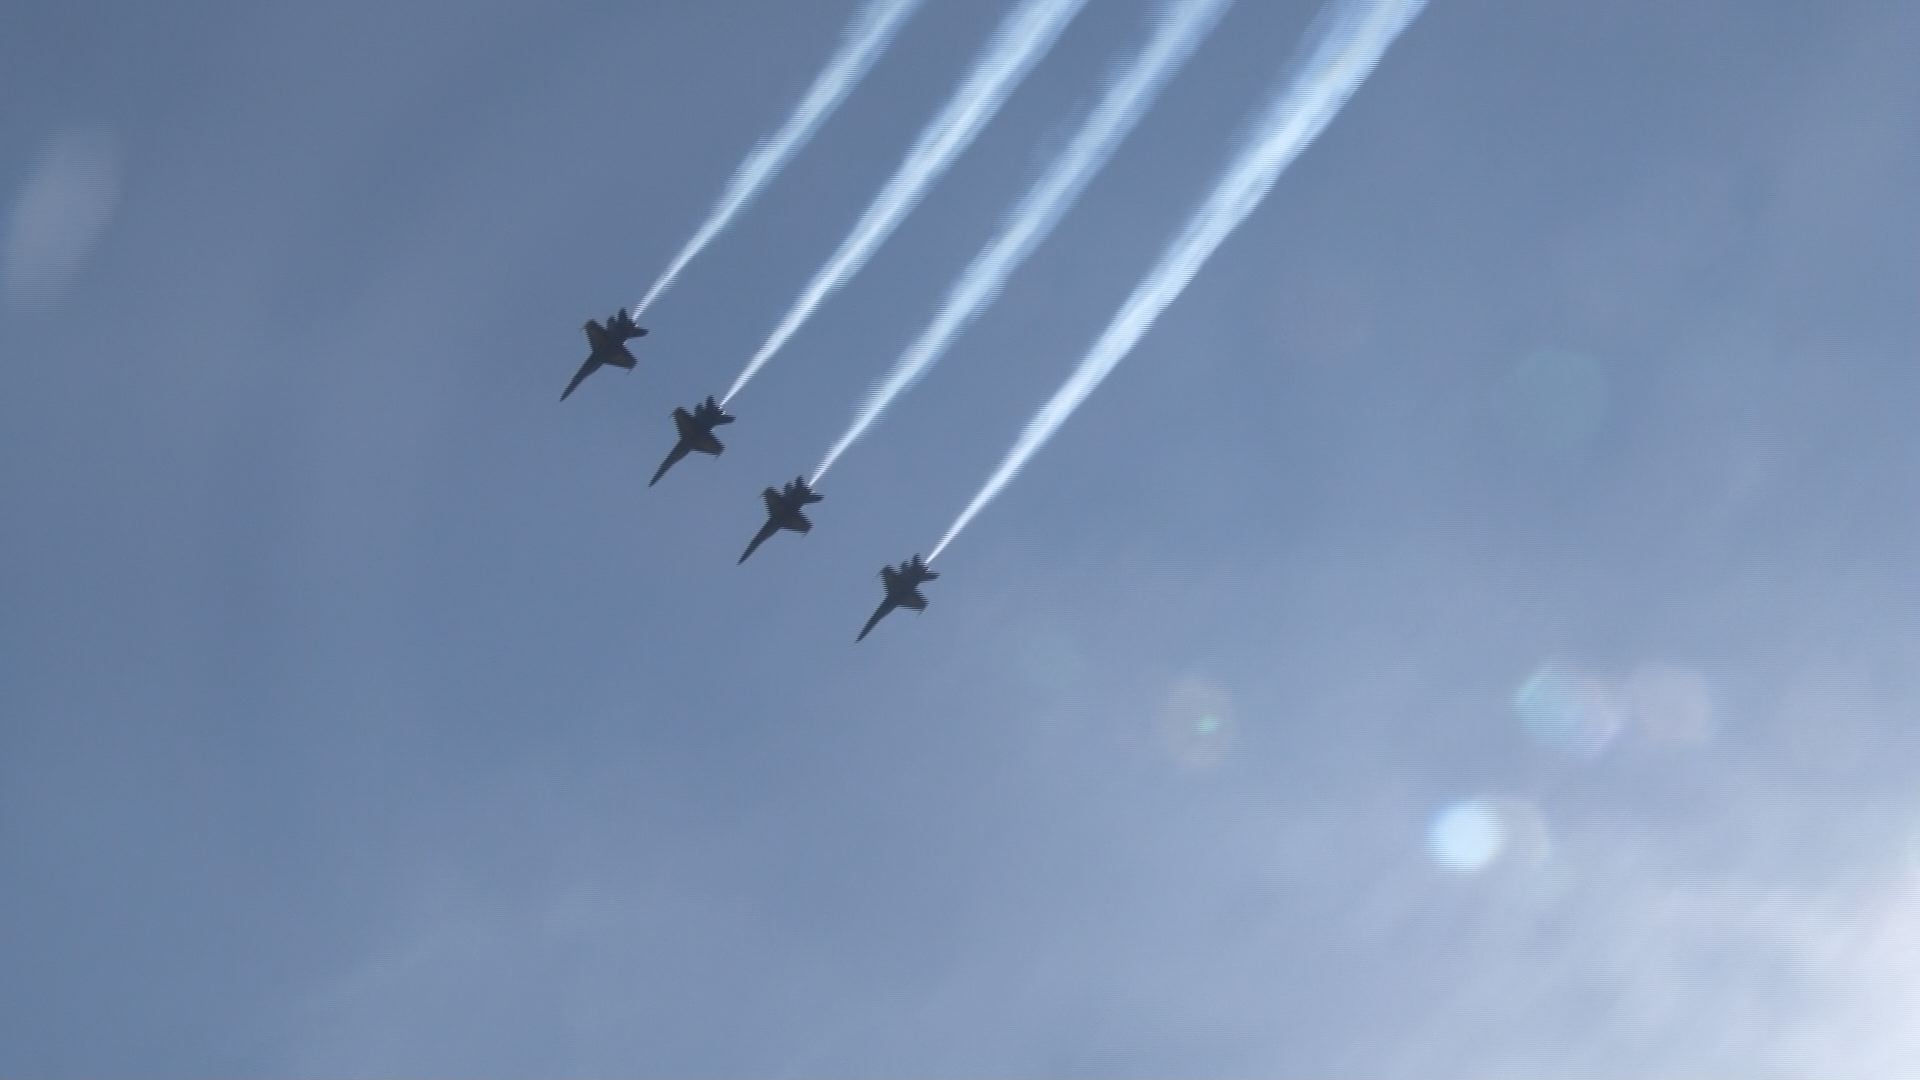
x=1181 y=25
x=1348 y=39
x=1023 y=37
x=865 y=39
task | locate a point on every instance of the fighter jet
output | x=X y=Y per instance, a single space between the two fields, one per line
x=784 y=512
x=903 y=590
x=696 y=434
x=606 y=345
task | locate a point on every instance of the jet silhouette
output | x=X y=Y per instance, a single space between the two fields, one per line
x=696 y=435
x=606 y=345
x=903 y=590
x=784 y=512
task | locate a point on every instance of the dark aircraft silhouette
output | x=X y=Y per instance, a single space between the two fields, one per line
x=696 y=434
x=903 y=590
x=606 y=345
x=784 y=512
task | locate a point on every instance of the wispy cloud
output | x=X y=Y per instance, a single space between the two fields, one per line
x=60 y=214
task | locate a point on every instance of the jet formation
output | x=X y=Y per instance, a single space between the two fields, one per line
x=786 y=505
x=1346 y=43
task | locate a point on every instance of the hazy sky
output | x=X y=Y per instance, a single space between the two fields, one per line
x=1477 y=634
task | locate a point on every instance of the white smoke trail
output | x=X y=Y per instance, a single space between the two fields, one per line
x=865 y=39
x=1349 y=39
x=1023 y=37
x=1182 y=26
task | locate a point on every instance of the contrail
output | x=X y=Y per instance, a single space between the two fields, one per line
x=866 y=38
x=1349 y=39
x=1023 y=37
x=1182 y=26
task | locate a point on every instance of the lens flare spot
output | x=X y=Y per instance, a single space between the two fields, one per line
x=1467 y=837
x=1198 y=723
x=1568 y=709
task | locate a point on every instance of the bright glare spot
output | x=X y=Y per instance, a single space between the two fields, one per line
x=58 y=216
x=1568 y=709
x=1467 y=837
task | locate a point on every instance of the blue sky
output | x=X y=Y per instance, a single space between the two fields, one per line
x=1473 y=635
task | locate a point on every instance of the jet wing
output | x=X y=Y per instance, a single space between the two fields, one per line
x=683 y=423
x=619 y=357
x=772 y=499
x=914 y=600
